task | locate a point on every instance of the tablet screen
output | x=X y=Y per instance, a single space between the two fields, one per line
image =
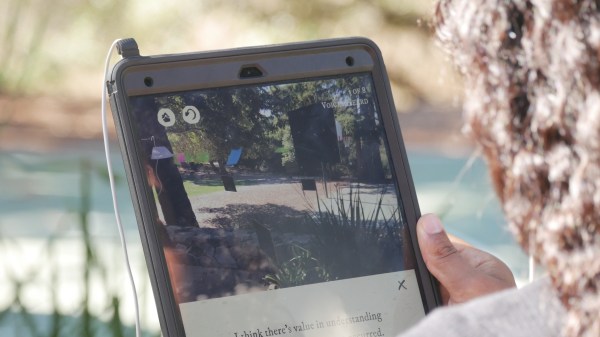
x=278 y=209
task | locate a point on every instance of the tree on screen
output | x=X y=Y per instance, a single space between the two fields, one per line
x=162 y=174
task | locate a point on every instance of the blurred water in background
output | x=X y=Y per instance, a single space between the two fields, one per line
x=43 y=257
x=59 y=247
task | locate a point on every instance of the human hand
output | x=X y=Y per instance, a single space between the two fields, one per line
x=464 y=272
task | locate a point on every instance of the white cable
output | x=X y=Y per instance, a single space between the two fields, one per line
x=531 y=269
x=531 y=258
x=113 y=189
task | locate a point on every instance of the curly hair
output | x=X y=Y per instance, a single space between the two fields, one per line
x=532 y=82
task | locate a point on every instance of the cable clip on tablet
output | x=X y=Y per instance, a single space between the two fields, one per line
x=128 y=48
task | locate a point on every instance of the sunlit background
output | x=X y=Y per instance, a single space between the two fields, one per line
x=61 y=271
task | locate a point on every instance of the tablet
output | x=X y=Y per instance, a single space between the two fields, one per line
x=272 y=191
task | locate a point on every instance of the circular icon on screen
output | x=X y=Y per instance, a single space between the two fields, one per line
x=166 y=117
x=191 y=115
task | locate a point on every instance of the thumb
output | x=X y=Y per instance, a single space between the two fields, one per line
x=441 y=257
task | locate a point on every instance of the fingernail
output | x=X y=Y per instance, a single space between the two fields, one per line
x=433 y=225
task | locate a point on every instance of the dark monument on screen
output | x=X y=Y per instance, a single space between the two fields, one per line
x=315 y=139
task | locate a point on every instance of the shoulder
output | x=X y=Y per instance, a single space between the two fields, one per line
x=533 y=310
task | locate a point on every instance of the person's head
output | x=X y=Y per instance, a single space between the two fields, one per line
x=532 y=81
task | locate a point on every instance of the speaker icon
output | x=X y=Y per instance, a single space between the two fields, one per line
x=166 y=117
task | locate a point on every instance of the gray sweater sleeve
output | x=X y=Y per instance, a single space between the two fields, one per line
x=531 y=311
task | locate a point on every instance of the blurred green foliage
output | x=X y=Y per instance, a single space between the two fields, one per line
x=22 y=317
x=57 y=45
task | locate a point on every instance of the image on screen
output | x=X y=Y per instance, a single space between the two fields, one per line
x=272 y=186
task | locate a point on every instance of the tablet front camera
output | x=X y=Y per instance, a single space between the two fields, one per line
x=350 y=61
x=250 y=71
x=149 y=81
